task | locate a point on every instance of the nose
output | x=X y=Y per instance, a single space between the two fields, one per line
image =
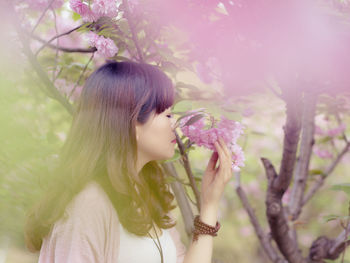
x=173 y=124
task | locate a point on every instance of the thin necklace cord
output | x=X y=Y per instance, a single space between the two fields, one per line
x=159 y=245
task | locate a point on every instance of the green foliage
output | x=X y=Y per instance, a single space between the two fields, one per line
x=345 y=187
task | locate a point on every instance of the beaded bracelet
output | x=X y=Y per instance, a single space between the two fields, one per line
x=201 y=228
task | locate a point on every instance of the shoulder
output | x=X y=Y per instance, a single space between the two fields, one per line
x=90 y=203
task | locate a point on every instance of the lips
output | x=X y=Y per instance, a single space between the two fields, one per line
x=173 y=141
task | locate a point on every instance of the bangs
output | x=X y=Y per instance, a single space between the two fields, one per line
x=160 y=93
x=164 y=98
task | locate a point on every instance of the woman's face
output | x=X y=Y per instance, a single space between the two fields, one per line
x=156 y=138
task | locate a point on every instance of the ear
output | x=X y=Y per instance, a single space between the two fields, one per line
x=137 y=131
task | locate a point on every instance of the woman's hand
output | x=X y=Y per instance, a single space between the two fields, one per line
x=215 y=179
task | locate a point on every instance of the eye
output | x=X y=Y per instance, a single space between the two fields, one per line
x=169 y=115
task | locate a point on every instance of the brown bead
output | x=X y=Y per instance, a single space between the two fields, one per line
x=201 y=228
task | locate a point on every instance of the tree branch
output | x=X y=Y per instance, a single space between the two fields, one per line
x=290 y=142
x=81 y=76
x=265 y=241
x=65 y=49
x=278 y=184
x=133 y=30
x=302 y=168
x=57 y=36
x=32 y=59
x=188 y=170
x=277 y=220
x=42 y=15
x=324 y=176
x=181 y=199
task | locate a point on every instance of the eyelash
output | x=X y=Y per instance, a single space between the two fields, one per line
x=169 y=115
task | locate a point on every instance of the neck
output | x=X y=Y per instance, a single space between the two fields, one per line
x=141 y=161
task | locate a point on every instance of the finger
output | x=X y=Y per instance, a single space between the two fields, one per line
x=222 y=156
x=212 y=161
x=225 y=148
x=228 y=153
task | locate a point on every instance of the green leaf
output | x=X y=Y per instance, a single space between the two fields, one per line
x=176 y=157
x=342 y=187
x=183 y=106
x=194 y=119
x=325 y=139
x=316 y=172
x=76 y=16
x=170 y=179
x=186 y=115
x=330 y=218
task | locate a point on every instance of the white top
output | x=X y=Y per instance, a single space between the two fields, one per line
x=144 y=250
x=90 y=232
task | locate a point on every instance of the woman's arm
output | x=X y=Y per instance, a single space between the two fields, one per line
x=213 y=184
x=202 y=249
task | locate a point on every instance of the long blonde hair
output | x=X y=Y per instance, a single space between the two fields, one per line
x=101 y=146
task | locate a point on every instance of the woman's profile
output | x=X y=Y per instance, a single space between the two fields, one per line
x=109 y=201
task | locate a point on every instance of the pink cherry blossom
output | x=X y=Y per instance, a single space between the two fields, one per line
x=248 y=112
x=43 y=4
x=331 y=132
x=336 y=131
x=322 y=153
x=226 y=129
x=105 y=46
x=319 y=131
x=105 y=8
x=82 y=9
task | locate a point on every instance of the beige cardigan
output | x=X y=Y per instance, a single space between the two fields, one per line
x=90 y=232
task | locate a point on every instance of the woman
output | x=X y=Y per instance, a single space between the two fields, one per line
x=109 y=201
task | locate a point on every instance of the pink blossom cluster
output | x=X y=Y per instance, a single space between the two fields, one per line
x=322 y=153
x=334 y=132
x=105 y=46
x=43 y=4
x=226 y=129
x=331 y=132
x=97 y=9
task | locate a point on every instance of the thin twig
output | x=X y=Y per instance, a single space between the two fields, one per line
x=42 y=16
x=133 y=30
x=345 y=138
x=182 y=201
x=81 y=76
x=346 y=233
x=58 y=43
x=57 y=36
x=265 y=241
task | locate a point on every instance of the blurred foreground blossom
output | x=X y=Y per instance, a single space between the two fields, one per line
x=97 y=9
x=105 y=8
x=195 y=128
x=105 y=46
x=43 y=4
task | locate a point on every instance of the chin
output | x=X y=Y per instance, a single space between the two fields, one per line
x=169 y=155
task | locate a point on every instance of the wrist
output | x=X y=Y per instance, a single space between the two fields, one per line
x=208 y=214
